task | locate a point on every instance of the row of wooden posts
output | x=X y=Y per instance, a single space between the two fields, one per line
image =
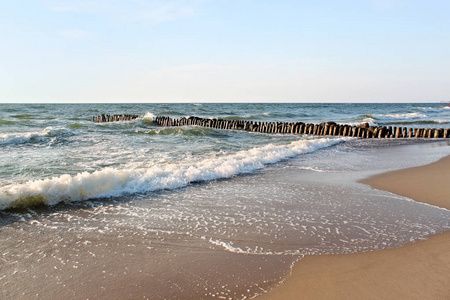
x=113 y=118
x=328 y=128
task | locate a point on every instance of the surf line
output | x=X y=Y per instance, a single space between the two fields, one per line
x=326 y=128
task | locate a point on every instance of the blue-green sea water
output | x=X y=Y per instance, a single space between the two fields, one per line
x=134 y=210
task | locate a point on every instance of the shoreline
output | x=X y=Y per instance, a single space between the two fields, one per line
x=426 y=184
x=418 y=270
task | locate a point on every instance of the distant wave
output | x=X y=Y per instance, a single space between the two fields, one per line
x=261 y=116
x=248 y=116
x=414 y=115
x=110 y=182
x=23 y=116
x=7 y=122
x=420 y=122
x=433 y=109
x=76 y=125
x=31 y=137
x=399 y=118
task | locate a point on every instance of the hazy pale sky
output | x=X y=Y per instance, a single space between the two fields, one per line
x=224 y=50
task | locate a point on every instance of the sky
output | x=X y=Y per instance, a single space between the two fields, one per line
x=57 y=51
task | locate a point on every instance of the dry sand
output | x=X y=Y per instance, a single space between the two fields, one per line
x=419 y=270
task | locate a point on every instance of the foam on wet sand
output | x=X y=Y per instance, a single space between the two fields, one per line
x=419 y=270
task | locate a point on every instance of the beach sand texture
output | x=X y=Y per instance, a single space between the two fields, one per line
x=428 y=184
x=419 y=270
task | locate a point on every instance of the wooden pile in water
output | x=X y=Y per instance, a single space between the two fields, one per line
x=328 y=128
x=113 y=118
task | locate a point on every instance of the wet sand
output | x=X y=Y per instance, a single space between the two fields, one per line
x=428 y=184
x=419 y=270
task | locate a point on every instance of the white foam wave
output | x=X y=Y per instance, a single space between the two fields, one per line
x=414 y=115
x=249 y=116
x=148 y=118
x=436 y=109
x=228 y=246
x=110 y=182
x=318 y=170
x=429 y=108
x=51 y=132
x=371 y=122
x=27 y=137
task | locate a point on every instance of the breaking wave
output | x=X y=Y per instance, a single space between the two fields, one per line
x=33 y=137
x=363 y=119
x=148 y=118
x=393 y=118
x=414 y=115
x=111 y=182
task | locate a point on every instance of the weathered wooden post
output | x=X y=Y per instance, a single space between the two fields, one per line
x=335 y=130
x=345 y=131
x=436 y=134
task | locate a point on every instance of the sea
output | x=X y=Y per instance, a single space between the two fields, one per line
x=133 y=210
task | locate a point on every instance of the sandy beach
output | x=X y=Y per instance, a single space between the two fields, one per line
x=428 y=184
x=419 y=270
x=136 y=210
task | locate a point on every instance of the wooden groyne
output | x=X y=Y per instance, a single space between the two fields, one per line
x=113 y=118
x=328 y=128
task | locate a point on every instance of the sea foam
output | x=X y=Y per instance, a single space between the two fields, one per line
x=148 y=118
x=30 y=137
x=111 y=182
x=414 y=115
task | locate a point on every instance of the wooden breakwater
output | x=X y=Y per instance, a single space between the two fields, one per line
x=328 y=128
x=113 y=118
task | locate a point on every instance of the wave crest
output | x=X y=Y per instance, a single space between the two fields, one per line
x=110 y=182
x=31 y=137
x=249 y=116
x=414 y=115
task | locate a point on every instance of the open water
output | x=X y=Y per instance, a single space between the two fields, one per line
x=131 y=209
